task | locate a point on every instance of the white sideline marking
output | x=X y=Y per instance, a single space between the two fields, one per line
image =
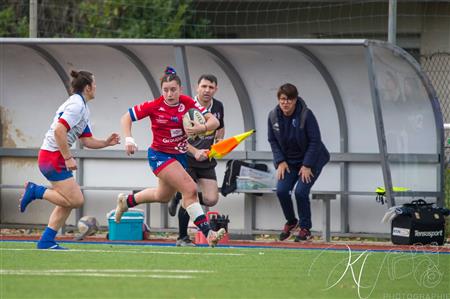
x=113 y=270
x=124 y=251
x=85 y=274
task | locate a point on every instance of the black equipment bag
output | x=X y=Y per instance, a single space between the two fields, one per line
x=418 y=223
x=232 y=171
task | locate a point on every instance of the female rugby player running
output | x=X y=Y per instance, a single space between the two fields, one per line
x=56 y=161
x=167 y=154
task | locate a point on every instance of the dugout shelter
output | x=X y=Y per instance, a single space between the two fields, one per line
x=378 y=114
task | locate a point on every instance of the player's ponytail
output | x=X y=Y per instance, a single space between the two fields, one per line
x=74 y=74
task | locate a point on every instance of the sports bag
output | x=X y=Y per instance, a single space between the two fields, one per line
x=232 y=170
x=419 y=222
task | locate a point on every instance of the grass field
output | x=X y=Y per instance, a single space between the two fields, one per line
x=120 y=271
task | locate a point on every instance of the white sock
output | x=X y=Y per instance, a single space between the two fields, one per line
x=195 y=210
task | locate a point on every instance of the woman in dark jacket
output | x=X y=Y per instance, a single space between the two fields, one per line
x=299 y=156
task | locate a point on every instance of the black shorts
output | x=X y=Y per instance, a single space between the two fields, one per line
x=202 y=173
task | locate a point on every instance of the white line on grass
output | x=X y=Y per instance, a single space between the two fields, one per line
x=125 y=251
x=96 y=274
x=113 y=270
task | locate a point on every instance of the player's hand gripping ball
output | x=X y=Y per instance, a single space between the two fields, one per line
x=194 y=115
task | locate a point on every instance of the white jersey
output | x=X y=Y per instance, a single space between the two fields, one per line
x=74 y=115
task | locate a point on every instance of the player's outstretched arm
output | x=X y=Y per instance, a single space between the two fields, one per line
x=94 y=143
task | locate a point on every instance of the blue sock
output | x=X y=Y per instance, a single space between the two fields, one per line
x=32 y=192
x=39 y=191
x=47 y=239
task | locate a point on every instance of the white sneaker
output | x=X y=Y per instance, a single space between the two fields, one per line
x=214 y=237
x=121 y=208
x=185 y=242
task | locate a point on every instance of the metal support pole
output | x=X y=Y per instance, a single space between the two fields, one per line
x=79 y=177
x=164 y=219
x=326 y=235
x=379 y=125
x=33 y=18
x=249 y=215
x=344 y=205
x=392 y=22
x=182 y=68
x=1 y=159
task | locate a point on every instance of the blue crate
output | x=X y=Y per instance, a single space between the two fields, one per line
x=130 y=227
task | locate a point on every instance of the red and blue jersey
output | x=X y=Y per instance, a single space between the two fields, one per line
x=74 y=115
x=166 y=122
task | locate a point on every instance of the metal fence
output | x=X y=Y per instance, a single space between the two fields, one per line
x=437 y=67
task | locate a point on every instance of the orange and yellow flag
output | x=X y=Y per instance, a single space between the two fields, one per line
x=222 y=148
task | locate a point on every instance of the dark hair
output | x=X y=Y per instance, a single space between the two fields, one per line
x=170 y=75
x=289 y=90
x=80 y=80
x=209 y=77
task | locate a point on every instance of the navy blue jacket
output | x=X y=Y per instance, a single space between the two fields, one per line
x=311 y=148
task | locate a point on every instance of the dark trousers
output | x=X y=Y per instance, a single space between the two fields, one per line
x=301 y=192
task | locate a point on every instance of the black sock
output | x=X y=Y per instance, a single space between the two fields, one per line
x=177 y=197
x=200 y=198
x=131 y=201
x=183 y=222
x=292 y=222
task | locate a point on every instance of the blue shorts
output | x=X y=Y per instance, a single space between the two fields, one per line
x=53 y=166
x=159 y=160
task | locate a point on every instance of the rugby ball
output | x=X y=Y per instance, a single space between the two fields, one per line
x=193 y=115
x=87 y=226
